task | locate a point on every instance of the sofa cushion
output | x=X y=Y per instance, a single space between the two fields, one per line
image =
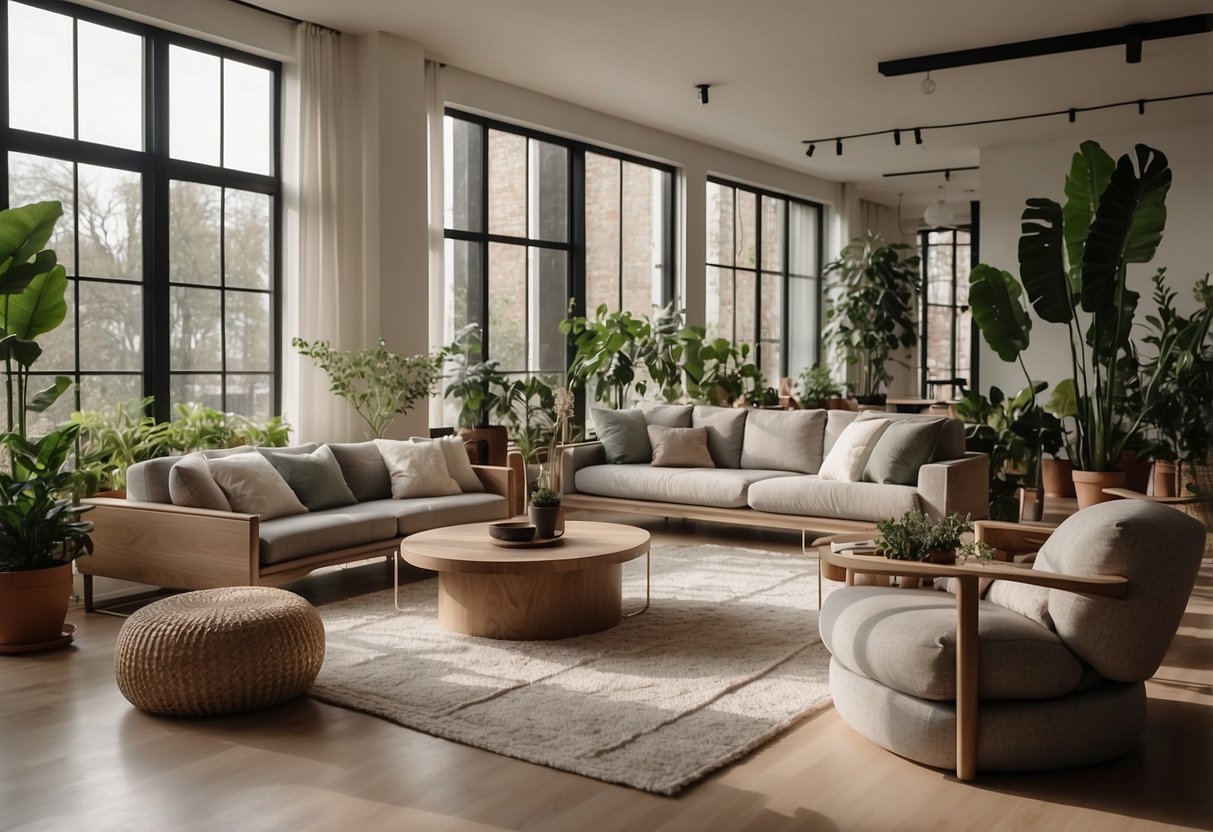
x=951 y=441
x=421 y=513
x=253 y=486
x=624 y=435
x=364 y=470
x=812 y=496
x=784 y=440
x=190 y=484
x=458 y=464
x=315 y=478
x=268 y=451
x=726 y=432
x=695 y=486
x=666 y=415
x=906 y=639
x=836 y=423
x=417 y=469
x=317 y=532
x=147 y=481
x=904 y=447
x=846 y=460
x=680 y=447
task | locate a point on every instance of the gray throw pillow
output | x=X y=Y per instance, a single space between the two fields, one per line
x=726 y=432
x=666 y=415
x=364 y=470
x=623 y=434
x=904 y=447
x=315 y=478
x=190 y=484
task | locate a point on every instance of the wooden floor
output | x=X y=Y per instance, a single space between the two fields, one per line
x=74 y=755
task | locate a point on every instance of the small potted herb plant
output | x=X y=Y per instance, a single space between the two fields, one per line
x=545 y=512
x=914 y=536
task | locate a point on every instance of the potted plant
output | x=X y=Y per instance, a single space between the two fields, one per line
x=870 y=309
x=915 y=536
x=719 y=372
x=764 y=397
x=544 y=512
x=378 y=383
x=483 y=394
x=817 y=387
x=40 y=527
x=112 y=439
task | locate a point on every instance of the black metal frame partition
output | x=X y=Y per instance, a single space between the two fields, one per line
x=157 y=169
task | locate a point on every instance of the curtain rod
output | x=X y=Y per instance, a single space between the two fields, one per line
x=292 y=19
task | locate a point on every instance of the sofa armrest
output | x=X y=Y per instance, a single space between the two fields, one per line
x=496 y=479
x=956 y=485
x=172 y=546
x=575 y=457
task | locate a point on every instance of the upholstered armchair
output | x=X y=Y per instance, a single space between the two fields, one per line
x=1046 y=672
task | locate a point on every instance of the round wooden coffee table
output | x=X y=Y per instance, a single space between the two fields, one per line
x=566 y=589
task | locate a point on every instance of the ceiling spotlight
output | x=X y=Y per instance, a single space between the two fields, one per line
x=1073 y=115
x=838 y=147
x=703 y=92
x=928 y=85
x=917 y=135
x=897 y=137
x=1141 y=106
x=809 y=152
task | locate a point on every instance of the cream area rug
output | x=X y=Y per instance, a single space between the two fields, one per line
x=727 y=656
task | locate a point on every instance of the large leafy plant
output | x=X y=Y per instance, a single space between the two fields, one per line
x=478 y=384
x=40 y=523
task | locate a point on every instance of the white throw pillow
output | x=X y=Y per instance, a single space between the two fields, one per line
x=253 y=486
x=846 y=460
x=457 y=463
x=418 y=469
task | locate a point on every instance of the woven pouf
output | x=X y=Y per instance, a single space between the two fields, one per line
x=219 y=651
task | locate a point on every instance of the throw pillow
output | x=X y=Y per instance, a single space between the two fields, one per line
x=252 y=486
x=364 y=470
x=315 y=478
x=458 y=465
x=417 y=469
x=623 y=434
x=190 y=484
x=1027 y=600
x=680 y=447
x=902 y=449
x=726 y=432
x=666 y=415
x=783 y=440
x=847 y=458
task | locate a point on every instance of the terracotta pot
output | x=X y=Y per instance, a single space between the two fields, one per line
x=1164 y=478
x=1089 y=486
x=1057 y=476
x=1137 y=471
x=33 y=606
x=496 y=441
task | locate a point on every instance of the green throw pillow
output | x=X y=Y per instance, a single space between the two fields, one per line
x=624 y=435
x=904 y=447
x=315 y=478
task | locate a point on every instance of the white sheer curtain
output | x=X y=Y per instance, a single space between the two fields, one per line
x=325 y=298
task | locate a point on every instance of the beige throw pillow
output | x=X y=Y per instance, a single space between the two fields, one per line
x=417 y=469
x=458 y=465
x=190 y=484
x=846 y=460
x=680 y=447
x=253 y=486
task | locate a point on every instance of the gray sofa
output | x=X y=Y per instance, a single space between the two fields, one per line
x=147 y=539
x=766 y=473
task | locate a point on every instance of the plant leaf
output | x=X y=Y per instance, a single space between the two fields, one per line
x=1041 y=265
x=994 y=297
x=1088 y=179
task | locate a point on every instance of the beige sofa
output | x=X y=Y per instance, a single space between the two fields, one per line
x=766 y=474
x=147 y=539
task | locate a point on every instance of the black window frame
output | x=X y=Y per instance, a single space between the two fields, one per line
x=928 y=387
x=157 y=170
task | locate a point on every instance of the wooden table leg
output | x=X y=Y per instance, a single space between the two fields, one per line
x=966 y=677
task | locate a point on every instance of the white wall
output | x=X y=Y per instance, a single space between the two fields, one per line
x=1010 y=175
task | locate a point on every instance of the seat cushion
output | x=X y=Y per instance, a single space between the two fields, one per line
x=811 y=496
x=906 y=640
x=300 y=535
x=784 y=440
x=722 y=488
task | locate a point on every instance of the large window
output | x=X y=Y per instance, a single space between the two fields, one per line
x=163 y=151
x=947 y=329
x=535 y=222
x=763 y=269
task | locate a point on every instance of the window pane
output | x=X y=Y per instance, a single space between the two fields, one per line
x=250 y=395
x=747 y=215
x=97 y=392
x=40 y=71
x=464 y=276
x=464 y=174
x=195 y=317
x=939 y=342
x=963 y=267
x=59 y=345
x=197 y=389
x=802 y=324
x=110 y=223
x=549 y=305
x=507 y=305
x=507 y=184
x=643 y=236
x=720 y=224
x=939 y=274
x=772 y=307
x=248 y=103
x=964 y=346
x=549 y=187
x=770 y=361
x=193 y=89
x=248 y=331
x=111 y=86
x=719 y=291
x=193 y=233
x=248 y=228
x=802 y=239
x=745 y=320
x=601 y=232
x=59 y=413
x=112 y=335
x=772 y=233
x=36 y=179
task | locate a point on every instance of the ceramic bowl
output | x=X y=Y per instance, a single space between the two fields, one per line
x=514 y=531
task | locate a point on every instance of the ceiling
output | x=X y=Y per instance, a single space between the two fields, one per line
x=787 y=70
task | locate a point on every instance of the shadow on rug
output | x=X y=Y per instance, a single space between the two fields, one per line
x=727 y=657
